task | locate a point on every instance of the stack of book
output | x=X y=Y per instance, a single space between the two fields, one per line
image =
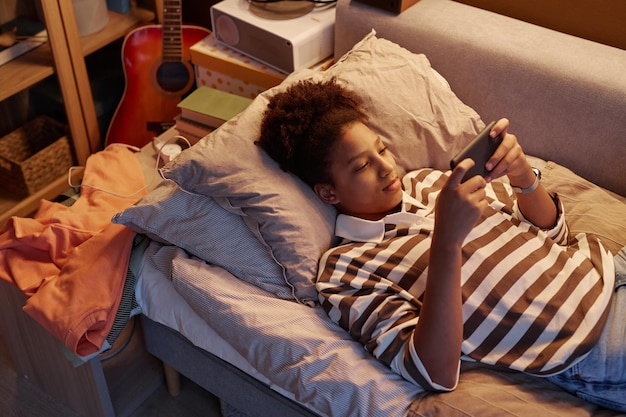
x=206 y=109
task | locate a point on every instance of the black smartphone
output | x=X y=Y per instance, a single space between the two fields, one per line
x=479 y=150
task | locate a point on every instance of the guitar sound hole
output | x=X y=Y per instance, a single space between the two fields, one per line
x=172 y=76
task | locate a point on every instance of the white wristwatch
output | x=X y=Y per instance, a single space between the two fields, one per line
x=532 y=188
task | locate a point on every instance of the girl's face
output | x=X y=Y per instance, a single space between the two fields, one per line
x=365 y=178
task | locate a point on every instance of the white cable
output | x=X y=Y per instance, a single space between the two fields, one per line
x=94 y=187
x=136 y=149
x=163 y=145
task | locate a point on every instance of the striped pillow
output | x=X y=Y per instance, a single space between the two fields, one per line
x=203 y=228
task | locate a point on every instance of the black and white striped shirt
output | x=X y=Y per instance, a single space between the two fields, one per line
x=533 y=300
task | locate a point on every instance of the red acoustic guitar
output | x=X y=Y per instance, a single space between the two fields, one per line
x=158 y=74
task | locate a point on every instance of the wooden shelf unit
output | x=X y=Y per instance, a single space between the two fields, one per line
x=98 y=388
x=30 y=68
x=64 y=54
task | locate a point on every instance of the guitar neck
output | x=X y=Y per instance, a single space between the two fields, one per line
x=172 y=30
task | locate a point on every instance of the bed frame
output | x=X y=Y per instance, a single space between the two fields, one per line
x=231 y=385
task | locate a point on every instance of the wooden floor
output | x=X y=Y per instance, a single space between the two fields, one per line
x=20 y=398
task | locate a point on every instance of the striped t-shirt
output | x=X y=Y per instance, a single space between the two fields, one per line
x=533 y=300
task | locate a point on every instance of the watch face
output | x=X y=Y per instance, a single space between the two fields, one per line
x=537 y=172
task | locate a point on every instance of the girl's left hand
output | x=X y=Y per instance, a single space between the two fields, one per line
x=509 y=159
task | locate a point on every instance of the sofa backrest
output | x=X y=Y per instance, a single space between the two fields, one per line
x=565 y=96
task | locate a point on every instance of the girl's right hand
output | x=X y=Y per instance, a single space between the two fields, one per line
x=459 y=205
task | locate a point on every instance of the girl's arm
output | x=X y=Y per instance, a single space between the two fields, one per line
x=439 y=332
x=537 y=205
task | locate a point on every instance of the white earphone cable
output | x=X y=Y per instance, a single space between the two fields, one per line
x=136 y=149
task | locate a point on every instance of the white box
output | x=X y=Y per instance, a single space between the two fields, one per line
x=286 y=45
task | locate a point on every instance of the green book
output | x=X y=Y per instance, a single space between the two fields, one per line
x=212 y=107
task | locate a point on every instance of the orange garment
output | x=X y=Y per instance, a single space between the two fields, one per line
x=71 y=262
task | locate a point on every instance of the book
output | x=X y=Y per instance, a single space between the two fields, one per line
x=193 y=131
x=193 y=139
x=19 y=36
x=212 y=107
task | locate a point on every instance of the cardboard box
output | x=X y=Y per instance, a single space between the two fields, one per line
x=224 y=69
x=395 y=6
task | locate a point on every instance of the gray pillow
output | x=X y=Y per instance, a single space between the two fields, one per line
x=203 y=228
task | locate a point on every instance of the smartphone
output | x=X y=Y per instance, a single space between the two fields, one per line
x=479 y=150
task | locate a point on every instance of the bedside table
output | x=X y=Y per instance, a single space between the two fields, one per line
x=97 y=388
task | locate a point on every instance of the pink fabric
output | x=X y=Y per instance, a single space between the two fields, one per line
x=71 y=262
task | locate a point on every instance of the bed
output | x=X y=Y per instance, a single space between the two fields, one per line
x=232 y=241
x=226 y=246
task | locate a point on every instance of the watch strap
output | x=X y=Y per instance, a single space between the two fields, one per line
x=534 y=185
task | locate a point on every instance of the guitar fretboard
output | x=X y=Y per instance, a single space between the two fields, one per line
x=172 y=23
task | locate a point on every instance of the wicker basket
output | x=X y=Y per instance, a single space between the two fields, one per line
x=34 y=155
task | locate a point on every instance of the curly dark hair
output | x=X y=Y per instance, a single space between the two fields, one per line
x=302 y=123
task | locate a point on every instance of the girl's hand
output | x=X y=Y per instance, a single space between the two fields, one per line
x=509 y=159
x=459 y=205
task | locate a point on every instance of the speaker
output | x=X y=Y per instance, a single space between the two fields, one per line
x=283 y=43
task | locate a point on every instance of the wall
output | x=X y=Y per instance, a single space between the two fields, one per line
x=602 y=21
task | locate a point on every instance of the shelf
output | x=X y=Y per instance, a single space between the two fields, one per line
x=10 y=206
x=38 y=64
x=33 y=67
x=119 y=25
x=25 y=71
